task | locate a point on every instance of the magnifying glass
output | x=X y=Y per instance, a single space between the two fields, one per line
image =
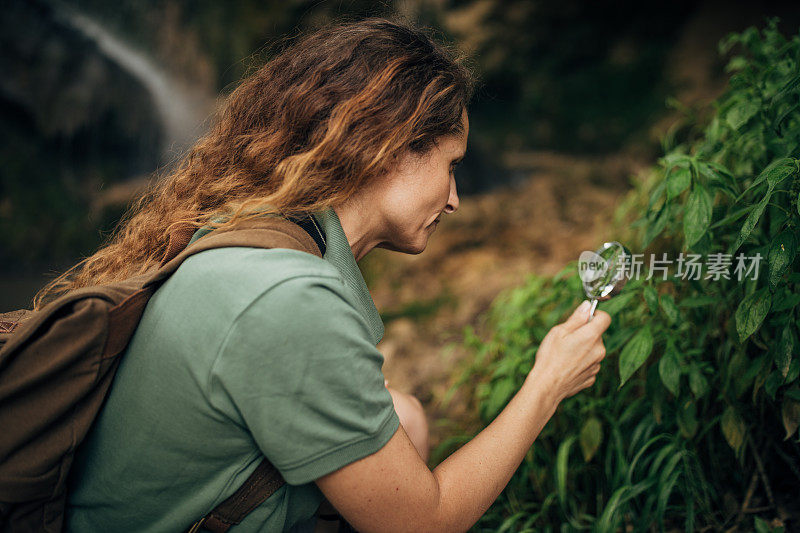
x=603 y=272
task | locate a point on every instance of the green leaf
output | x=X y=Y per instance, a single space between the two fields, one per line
x=651 y=297
x=762 y=526
x=794 y=371
x=786 y=89
x=738 y=115
x=752 y=220
x=635 y=353
x=714 y=170
x=590 y=438
x=500 y=394
x=788 y=112
x=733 y=217
x=617 y=339
x=785 y=300
x=773 y=383
x=609 y=519
x=773 y=174
x=657 y=226
x=670 y=309
x=782 y=250
x=784 y=349
x=669 y=368
x=666 y=483
x=675 y=159
x=724 y=188
x=618 y=303
x=778 y=171
x=687 y=419
x=562 y=460
x=697 y=382
x=736 y=63
x=697 y=301
x=751 y=312
x=658 y=190
x=790 y=413
x=733 y=428
x=697 y=215
x=678 y=181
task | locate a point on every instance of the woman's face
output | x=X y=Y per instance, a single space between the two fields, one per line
x=422 y=188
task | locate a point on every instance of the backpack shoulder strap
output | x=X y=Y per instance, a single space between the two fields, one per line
x=275 y=231
x=261 y=484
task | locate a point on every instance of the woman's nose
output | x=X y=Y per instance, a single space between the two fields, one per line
x=452 y=201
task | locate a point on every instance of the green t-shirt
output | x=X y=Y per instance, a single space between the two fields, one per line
x=242 y=353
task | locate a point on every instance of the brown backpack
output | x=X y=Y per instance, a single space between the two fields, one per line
x=57 y=364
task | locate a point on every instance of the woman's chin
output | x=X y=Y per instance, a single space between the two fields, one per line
x=418 y=247
x=406 y=248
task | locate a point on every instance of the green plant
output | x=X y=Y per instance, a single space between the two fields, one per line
x=699 y=426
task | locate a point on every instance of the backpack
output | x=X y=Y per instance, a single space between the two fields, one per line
x=56 y=366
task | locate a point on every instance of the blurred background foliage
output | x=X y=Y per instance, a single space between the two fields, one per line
x=575 y=75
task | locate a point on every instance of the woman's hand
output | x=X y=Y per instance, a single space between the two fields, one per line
x=570 y=354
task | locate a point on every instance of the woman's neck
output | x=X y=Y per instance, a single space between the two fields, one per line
x=358 y=229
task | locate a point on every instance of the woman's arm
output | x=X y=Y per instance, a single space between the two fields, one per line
x=393 y=489
x=412 y=418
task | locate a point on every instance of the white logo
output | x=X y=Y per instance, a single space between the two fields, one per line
x=591 y=266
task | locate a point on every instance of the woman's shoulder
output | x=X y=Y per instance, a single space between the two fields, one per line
x=222 y=283
x=256 y=265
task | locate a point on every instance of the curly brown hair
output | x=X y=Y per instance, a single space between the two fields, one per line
x=307 y=130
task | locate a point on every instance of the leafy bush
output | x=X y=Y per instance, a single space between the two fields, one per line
x=699 y=426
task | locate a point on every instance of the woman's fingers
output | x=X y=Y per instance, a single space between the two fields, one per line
x=570 y=354
x=600 y=353
x=595 y=328
x=595 y=353
x=577 y=318
x=590 y=371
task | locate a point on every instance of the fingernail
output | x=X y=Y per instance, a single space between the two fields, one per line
x=584 y=307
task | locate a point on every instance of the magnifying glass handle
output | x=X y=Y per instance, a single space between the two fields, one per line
x=591 y=312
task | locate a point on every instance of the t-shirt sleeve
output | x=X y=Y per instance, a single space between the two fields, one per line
x=299 y=370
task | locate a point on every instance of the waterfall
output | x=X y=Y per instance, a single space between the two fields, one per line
x=182 y=112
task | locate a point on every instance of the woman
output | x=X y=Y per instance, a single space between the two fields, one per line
x=245 y=352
